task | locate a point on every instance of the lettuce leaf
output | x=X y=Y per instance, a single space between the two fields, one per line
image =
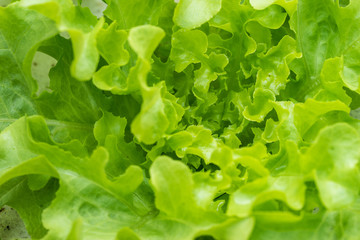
x=164 y=119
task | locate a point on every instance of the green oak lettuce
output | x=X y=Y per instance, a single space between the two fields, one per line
x=190 y=119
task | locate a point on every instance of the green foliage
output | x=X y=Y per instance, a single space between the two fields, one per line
x=203 y=119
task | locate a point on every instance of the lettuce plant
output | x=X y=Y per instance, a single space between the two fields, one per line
x=202 y=119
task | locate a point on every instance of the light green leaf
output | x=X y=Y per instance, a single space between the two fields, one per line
x=233 y=230
x=171 y=199
x=318 y=38
x=192 y=13
x=159 y=115
x=260 y=106
x=110 y=43
x=289 y=6
x=289 y=189
x=144 y=40
x=86 y=56
x=274 y=71
x=127 y=234
x=190 y=47
x=308 y=112
x=347 y=19
x=334 y=157
x=129 y=14
x=158 y=106
x=332 y=82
